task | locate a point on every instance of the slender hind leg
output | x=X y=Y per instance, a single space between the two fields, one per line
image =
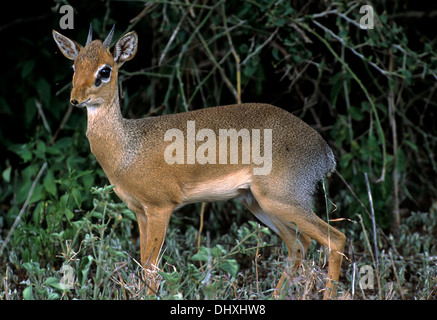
x=276 y=208
x=297 y=244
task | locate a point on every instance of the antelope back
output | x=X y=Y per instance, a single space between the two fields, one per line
x=95 y=67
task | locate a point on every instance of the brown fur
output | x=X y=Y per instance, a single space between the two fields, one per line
x=131 y=154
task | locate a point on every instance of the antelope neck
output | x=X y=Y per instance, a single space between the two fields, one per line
x=105 y=133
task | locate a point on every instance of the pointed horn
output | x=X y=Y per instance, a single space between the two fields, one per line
x=108 y=40
x=90 y=35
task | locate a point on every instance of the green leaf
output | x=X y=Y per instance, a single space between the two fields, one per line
x=53 y=296
x=37 y=194
x=77 y=197
x=129 y=214
x=28 y=293
x=49 y=183
x=33 y=267
x=202 y=255
x=69 y=214
x=96 y=214
x=4 y=107
x=231 y=266
x=53 y=282
x=87 y=180
x=173 y=277
x=83 y=269
x=23 y=150
x=251 y=67
x=40 y=151
x=30 y=112
x=345 y=160
x=275 y=54
x=37 y=212
x=7 y=174
x=356 y=113
x=27 y=68
x=43 y=88
x=63 y=143
x=412 y=145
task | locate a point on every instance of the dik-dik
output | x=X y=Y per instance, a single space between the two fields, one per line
x=158 y=164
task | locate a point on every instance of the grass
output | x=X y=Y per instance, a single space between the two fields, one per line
x=370 y=93
x=99 y=262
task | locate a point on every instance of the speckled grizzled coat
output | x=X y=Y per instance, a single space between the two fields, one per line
x=131 y=152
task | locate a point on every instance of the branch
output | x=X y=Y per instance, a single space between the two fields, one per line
x=24 y=207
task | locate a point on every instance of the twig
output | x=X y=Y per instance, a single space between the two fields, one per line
x=24 y=207
x=173 y=36
x=319 y=15
x=327 y=213
x=258 y=49
x=363 y=88
x=211 y=56
x=257 y=255
x=202 y=214
x=371 y=254
x=375 y=244
x=396 y=275
x=193 y=15
x=185 y=48
x=354 y=267
x=122 y=285
x=418 y=61
x=18 y=21
x=143 y=72
x=43 y=116
x=5 y=283
x=364 y=208
x=63 y=122
x=147 y=7
x=234 y=53
x=362 y=57
x=396 y=220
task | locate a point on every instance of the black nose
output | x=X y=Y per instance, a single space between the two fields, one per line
x=74 y=102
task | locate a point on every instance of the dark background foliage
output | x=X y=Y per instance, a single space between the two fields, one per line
x=370 y=93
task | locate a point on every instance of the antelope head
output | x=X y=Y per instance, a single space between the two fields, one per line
x=96 y=67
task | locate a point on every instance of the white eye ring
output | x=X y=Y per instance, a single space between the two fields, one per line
x=99 y=75
x=102 y=75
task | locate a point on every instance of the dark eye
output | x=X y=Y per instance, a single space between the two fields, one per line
x=103 y=76
x=105 y=73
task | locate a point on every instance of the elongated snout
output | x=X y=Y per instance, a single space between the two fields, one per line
x=78 y=98
x=78 y=104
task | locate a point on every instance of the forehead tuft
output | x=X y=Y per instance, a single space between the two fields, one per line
x=94 y=53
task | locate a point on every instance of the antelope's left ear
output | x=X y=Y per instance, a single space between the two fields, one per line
x=126 y=48
x=69 y=48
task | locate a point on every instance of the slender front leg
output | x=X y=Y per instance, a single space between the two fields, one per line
x=153 y=223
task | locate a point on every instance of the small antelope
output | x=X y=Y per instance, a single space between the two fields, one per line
x=155 y=171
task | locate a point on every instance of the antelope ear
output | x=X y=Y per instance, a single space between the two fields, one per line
x=126 y=48
x=69 y=48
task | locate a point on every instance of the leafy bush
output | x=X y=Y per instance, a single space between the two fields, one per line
x=370 y=93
